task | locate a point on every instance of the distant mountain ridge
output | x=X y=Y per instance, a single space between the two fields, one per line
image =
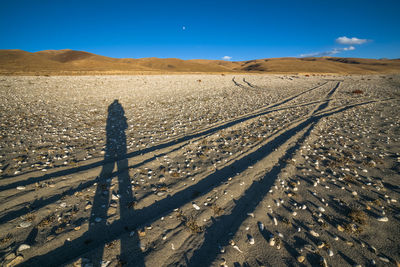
x=71 y=62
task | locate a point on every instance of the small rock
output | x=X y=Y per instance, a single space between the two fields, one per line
x=313 y=233
x=340 y=228
x=141 y=233
x=23 y=247
x=384 y=259
x=323 y=262
x=195 y=206
x=330 y=252
x=237 y=248
x=272 y=241
x=383 y=219
x=105 y=263
x=251 y=239
x=309 y=248
x=25 y=224
x=300 y=258
x=15 y=261
x=98 y=219
x=10 y=256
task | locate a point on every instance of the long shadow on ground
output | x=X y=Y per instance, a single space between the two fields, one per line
x=102 y=201
x=228 y=124
x=42 y=202
x=153 y=212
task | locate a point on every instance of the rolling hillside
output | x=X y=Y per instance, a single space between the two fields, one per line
x=70 y=62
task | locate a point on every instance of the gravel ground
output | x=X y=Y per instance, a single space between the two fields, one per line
x=199 y=170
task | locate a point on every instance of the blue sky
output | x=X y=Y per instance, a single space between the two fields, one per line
x=241 y=30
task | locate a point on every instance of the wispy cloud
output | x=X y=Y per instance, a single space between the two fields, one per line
x=320 y=54
x=328 y=53
x=341 y=40
x=226 y=58
x=350 y=41
x=349 y=48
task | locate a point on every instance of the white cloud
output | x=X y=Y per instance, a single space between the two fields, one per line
x=328 y=53
x=350 y=41
x=321 y=54
x=226 y=58
x=349 y=48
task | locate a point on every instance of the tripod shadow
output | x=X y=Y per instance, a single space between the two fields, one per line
x=107 y=199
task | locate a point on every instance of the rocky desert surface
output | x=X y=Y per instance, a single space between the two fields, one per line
x=200 y=170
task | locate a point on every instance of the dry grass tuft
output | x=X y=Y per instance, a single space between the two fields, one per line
x=47 y=221
x=193 y=226
x=358 y=216
x=217 y=210
x=6 y=239
x=190 y=223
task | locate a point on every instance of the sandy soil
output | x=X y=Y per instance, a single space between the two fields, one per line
x=200 y=170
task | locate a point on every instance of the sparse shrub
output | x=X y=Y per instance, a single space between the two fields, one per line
x=190 y=223
x=6 y=239
x=217 y=210
x=47 y=221
x=358 y=216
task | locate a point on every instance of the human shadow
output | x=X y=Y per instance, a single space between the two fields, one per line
x=106 y=201
x=105 y=204
x=185 y=138
x=146 y=215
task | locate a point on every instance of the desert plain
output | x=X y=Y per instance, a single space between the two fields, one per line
x=200 y=170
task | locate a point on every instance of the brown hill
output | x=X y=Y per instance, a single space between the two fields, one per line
x=63 y=62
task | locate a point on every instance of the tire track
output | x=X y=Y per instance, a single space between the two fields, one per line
x=149 y=214
x=26 y=179
x=217 y=232
x=42 y=202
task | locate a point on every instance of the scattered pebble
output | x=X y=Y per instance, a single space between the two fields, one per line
x=25 y=224
x=301 y=258
x=383 y=219
x=23 y=247
x=18 y=260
